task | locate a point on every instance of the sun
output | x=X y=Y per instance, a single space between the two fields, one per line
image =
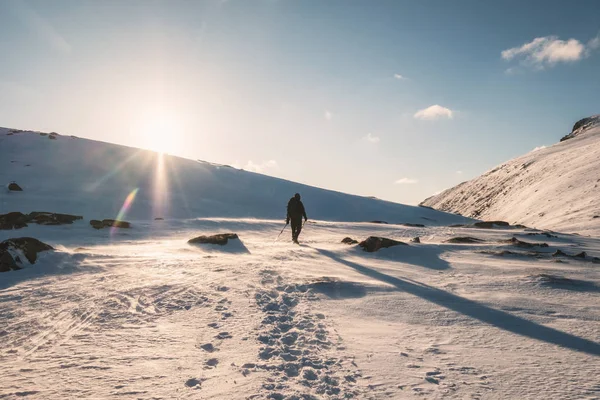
x=162 y=133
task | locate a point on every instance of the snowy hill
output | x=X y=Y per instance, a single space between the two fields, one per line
x=557 y=187
x=79 y=176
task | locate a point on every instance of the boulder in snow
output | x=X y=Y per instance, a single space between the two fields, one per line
x=220 y=239
x=96 y=224
x=416 y=240
x=115 y=223
x=519 y=243
x=349 y=240
x=48 y=218
x=374 y=243
x=413 y=225
x=14 y=187
x=464 y=240
x=29 y=247
x=491 y=224
x=13 y=220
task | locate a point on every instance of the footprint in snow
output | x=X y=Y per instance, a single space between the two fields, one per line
x=208 y=347
x=223 y=335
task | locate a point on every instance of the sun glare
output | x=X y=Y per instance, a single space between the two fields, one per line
x=161 y=133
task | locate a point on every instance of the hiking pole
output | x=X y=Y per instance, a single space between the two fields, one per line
x=286 y=224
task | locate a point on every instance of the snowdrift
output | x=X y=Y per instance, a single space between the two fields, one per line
x=66 y=174
x=557 y=187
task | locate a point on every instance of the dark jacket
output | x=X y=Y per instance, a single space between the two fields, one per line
x=295 y=209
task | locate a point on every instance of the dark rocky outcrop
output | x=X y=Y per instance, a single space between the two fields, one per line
x=13 y=220
x=413 y=225
x=374 y=243
x=17 y=220
x=491 y=224
x=30 y=247
x=582 y=255
x=48 y=218
x=13 y=186
x=415 y=240
x=464 y=240
x=96 y=224
x=349 y=240
x=109 y=223
x=115 y=223
x=525 y=245
x=582 y=125
x=378 y=222
x=220 y=239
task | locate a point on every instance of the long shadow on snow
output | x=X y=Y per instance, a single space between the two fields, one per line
x=54 y=263
x=473 y=309
x=426 y=256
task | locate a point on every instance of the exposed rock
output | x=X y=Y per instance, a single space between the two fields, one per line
x=96 y=224
x=7 y=263
x=580 y=255
x=490 y=224
x=13 y=220
x=51 y=136
x=464 y=239
x=115 y=223
x=30 y=247
x=13 y=186
x=349 y=240
x=519 y=243
x=596 y=216
x=374 y=243
x=456 y=226
x=220 y=239
x=413 y=225
x=378 y=222
x=582 y=125
x=559 y=253
x=159 y=219
x=416 y=240
x=47 y=218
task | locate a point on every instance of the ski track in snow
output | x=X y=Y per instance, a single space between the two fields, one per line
x=156 y=318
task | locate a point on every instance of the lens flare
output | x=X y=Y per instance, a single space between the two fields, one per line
x=126 y=206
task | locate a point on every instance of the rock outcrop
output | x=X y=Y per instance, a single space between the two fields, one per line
x=220 y=239
x=374 y=243
x=28 y=246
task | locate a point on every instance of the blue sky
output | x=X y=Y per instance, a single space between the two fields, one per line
x=336 y=94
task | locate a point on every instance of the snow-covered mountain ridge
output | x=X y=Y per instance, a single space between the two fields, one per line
x=557 y=187
x=78 y=176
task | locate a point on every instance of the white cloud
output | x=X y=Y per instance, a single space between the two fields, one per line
x=400 y=77
x=406 y=181
x=538 y=148
x=434 y=112
x=371 y=138
x=328 y=115
x=594 y=43
x=548 y=51
x=261 y=167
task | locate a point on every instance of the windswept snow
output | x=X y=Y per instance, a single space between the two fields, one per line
x=133 y=316
x=557 y=187
x=140 y=313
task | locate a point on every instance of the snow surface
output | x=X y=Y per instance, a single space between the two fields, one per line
x=557 y=187
x=141 y=314
x=134 y=315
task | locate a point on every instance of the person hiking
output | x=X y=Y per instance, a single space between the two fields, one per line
x=295 y=212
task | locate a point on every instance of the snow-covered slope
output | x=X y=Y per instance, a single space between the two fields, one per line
x=79 y=176
x=557 y=187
